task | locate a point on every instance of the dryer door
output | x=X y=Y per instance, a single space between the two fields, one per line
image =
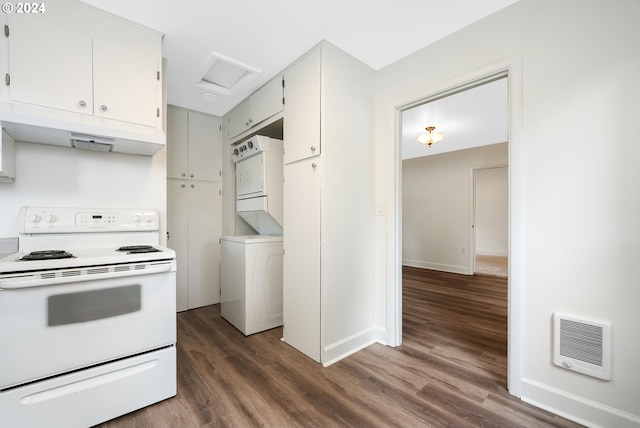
x=250 y=177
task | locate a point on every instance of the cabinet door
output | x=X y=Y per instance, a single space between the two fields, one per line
x=7 y=157
x=301 y=262
x=302 y=109
x=237 y=120
x=194 y=227
x=126 y=61
x=204 y=147
x=50 y=64
x=177 y=229
x=266 y=101
x=205 y=227
x=177 y=141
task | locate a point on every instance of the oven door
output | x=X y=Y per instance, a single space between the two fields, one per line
x=55 y=328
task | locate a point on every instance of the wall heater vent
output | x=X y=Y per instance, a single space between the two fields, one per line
x=582 y=346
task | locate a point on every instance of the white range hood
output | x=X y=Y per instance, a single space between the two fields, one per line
x=103 y=137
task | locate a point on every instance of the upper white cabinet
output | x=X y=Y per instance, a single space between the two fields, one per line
x=78 y=59
x=127 y=60
x=238 y=120
x=301 y=133
x=193 y=145
x=266 y=101
x=49 y=65
x=259 y=106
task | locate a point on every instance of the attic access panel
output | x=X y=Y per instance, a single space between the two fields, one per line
x=224 y=75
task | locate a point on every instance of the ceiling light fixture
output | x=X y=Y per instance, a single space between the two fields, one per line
x=208 y=97
x=430 y=137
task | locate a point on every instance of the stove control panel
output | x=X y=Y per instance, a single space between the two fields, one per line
x=78 y=220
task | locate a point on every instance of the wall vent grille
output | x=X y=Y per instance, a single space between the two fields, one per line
x=582 y=346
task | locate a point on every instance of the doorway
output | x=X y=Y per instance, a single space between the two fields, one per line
x=490 y=221
x=512 y=68
x=449 y=243
x=438 y=199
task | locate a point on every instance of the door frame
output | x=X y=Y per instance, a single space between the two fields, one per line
x=512 y=68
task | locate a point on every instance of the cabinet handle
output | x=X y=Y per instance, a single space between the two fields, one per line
x=103 y=107
x=313 y=165
x=191 y=175
x=313 y=148
x=193 y=185
x=250 y=120
x=182 y=185
x=82 y=103
x=183 y=174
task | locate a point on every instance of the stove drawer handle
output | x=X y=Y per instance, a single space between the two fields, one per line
x=16 y=284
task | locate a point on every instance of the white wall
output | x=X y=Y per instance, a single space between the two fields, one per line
x=437 y=206
x=492 y=211
x=59 y=176
x=575 y=95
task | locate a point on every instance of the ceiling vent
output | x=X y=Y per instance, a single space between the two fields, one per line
x=582 y=346
x=224 y=75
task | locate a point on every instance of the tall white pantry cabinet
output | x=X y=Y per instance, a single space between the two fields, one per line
x=329 y=207
x=194 y=204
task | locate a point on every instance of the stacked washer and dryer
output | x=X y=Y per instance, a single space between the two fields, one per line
x=251 y=265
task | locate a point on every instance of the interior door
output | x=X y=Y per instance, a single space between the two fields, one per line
x=491 y=220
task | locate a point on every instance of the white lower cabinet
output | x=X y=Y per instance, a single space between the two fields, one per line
x=194 y=229
x=301 y=261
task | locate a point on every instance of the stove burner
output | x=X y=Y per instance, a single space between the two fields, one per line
x=138 y=249
x=47 y=255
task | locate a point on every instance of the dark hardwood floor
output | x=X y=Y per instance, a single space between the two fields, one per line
x=450 y=370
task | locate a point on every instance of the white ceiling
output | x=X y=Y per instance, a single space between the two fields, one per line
x=475 y=117
x=268 y=35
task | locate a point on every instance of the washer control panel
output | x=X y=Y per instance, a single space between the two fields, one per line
x=78 y=220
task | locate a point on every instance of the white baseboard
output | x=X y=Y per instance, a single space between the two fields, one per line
x=487 y=252
x=436 y=266
x=352 y=344
x=578 y=409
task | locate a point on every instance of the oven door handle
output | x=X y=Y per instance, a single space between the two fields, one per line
x=30 y=282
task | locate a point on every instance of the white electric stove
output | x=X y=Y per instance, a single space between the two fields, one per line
x=87 y=317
